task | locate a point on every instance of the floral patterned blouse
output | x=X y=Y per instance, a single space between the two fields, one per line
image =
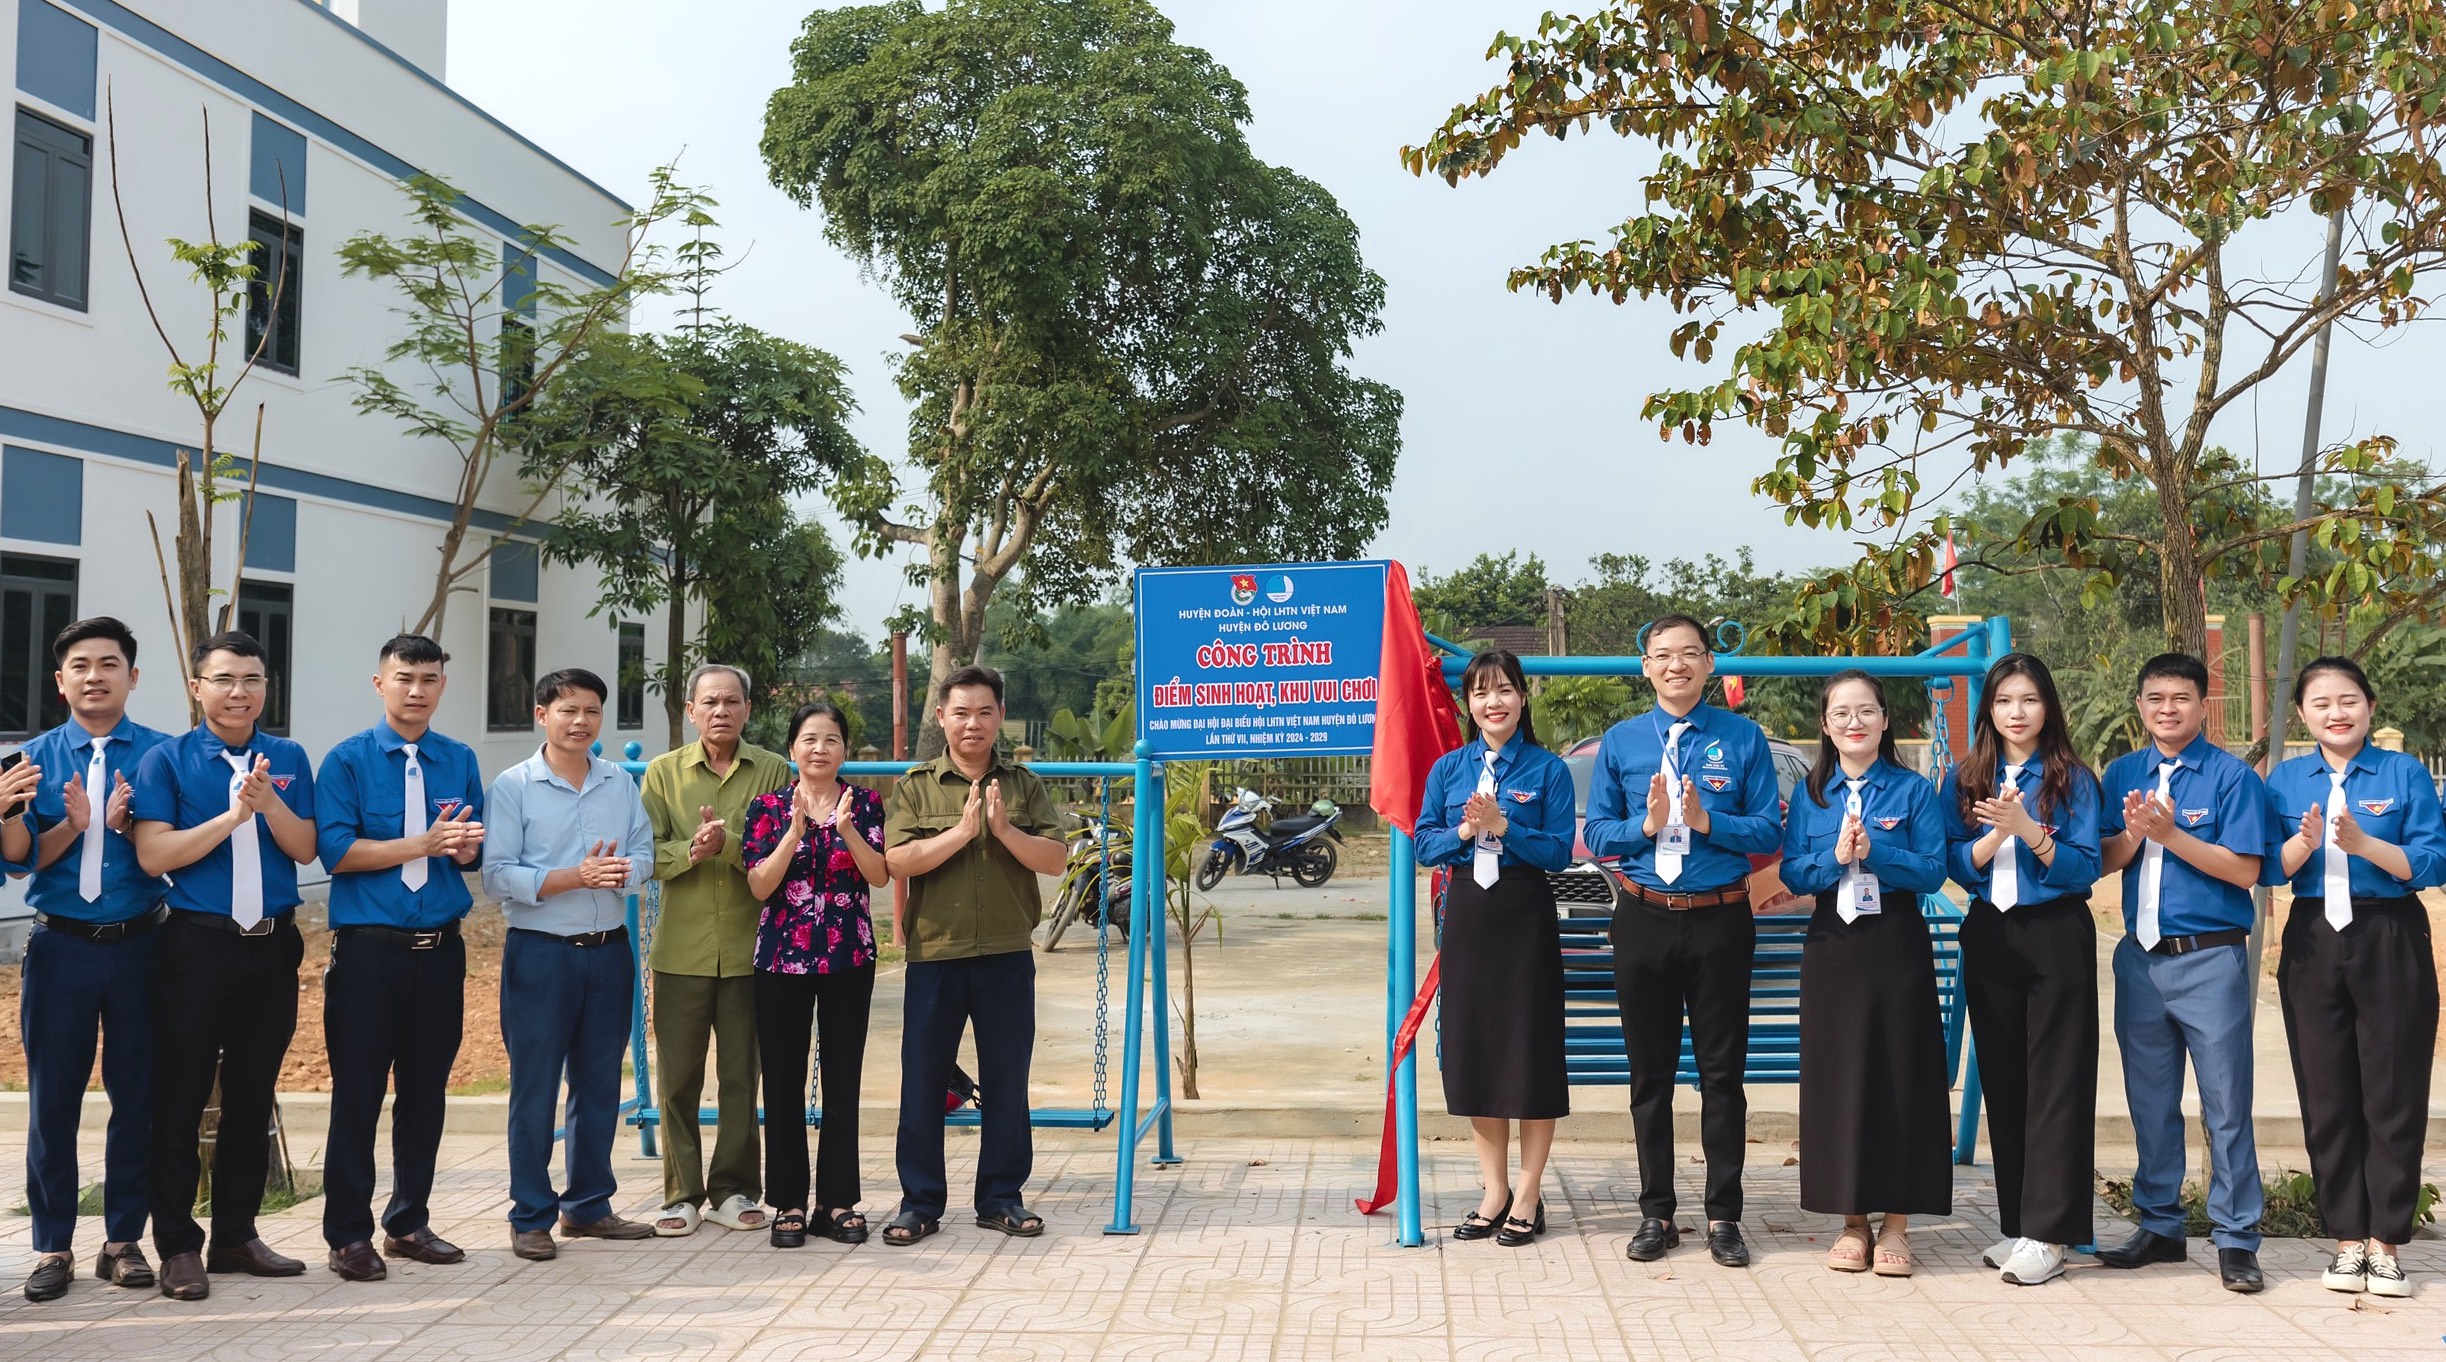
x=817 y=921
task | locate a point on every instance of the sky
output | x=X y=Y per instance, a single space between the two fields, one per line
x=1521 y=427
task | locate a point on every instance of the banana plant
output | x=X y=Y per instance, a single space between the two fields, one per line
x=1071 y=738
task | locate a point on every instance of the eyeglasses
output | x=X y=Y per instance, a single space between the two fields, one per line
x=242 y=684
x=1842 y=718
x=1693 y=656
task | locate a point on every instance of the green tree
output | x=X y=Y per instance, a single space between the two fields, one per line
x=1129 y=332
x=1953 y=230
x=482 y=344
x=691 y=447
x=1490 y=591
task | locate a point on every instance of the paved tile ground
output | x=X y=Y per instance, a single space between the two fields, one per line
x=1250 y=1251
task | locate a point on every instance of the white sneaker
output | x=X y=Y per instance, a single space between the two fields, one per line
x=2387 y=1276
x=2005 y=1249
x=2350 y=1270
x=2034 y=1262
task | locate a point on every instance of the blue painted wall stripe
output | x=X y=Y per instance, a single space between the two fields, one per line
x=144 y=449
x=221 y=73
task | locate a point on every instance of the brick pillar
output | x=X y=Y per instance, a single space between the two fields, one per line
x=2216 y=680
x=1942 y=629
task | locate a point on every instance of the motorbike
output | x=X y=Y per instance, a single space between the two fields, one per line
x=1301 y=846
x=1086 y=895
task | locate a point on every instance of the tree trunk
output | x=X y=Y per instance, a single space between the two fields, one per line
x=1189 y=1000
x=675 y=658
x=958 y=634
x=2183 y=591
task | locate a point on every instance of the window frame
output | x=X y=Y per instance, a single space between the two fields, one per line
x=520 y=696
x=285 y=352
x=628 y=683
x=46 y=709
x=267 y=601
x=50 y=255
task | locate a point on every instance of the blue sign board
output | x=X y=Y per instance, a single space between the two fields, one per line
x=1276 y=661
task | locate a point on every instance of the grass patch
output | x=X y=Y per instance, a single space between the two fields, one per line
x=88 y=1202
x=2292 y=1206
x=1367 y=917
x=89 y=1199
x=482 y=1087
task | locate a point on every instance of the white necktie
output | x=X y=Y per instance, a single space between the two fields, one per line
x=1669 y=863
x=97 y=807
x=2153 y=866
x=245 y=854
x=2339 y=878
x=1487 y=864
x=412 y=873
x=1858 y=896
x=2004 y=884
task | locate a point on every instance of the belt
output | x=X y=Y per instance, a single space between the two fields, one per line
x=602 y=938
x=221 y=923
x=102 y=933
x=2185 y=945
x=405 y=939
x=1682 y=903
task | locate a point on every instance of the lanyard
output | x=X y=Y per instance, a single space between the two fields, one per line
x=1664 y=745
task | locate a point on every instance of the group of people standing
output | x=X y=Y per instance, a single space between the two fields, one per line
x=165 y=881
x=1684 y=795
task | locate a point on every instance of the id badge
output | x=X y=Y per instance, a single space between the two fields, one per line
x=1673 y=839
x=1868 y=898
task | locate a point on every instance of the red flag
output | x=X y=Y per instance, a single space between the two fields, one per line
x=1415 y=722
x=1733 y=692
x=1950 y=563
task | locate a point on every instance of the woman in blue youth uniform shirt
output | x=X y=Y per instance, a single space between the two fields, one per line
x=2357 y=976
x=1866 y=837
x=1500 y=812
x=2021 y=834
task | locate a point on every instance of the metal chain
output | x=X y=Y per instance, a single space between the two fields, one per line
x=1940 y=737
x=1104 y=928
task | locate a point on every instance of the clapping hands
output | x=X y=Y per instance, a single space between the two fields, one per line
x=2146 y=816
x=2008 y=813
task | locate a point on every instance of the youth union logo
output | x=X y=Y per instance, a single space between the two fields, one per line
x=1243 y=588
x=1278 y=588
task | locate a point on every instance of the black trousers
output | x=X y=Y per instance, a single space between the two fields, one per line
x=2361 y=1011
x=835 y=1008
x=392 y=1017
x=2031 y=982
x=998 y=994
x=227 y=1002
x=1665 y=964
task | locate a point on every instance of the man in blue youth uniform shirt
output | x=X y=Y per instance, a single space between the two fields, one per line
x=397 y=810
x=227 y=812
x=89 y=960
x=2191 y=828
x=1683 y=794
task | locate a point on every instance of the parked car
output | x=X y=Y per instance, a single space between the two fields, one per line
x=1590 y=888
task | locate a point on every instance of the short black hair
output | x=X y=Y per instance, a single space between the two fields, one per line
x=2340 y=666
x=819 y=709
x=2173 y=666
x=97 y=626
x=554 y=685
x=414 y=649
x=1676 y=621
x=971 y=675
x=236 y=642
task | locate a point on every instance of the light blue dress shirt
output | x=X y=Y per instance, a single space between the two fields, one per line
x=536 y=823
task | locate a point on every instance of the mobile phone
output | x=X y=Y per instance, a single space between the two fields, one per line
x=10 y=762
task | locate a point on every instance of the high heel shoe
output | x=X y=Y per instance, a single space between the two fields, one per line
x=1474 y=1226
x=1516 y=1231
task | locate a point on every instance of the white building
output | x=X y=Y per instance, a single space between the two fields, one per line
x=332 y=105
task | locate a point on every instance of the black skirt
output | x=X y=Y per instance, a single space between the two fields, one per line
x=1503 y=998
x=1874 y=1104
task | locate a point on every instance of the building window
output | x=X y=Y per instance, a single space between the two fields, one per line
x=509 y=681
x=632 y=676
x=48 y=211
x=266 y=614
x=272 y=295
x=56 y=56
x=37 y=600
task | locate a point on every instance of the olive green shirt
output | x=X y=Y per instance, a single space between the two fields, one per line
x=982 y=901
x=708 y=922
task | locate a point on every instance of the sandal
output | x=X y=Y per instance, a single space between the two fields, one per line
x=1893 y=1253
x=790 y=1229
x=737 y=1213
x=844 y=1227
x=1474 y=1226
x=677 y=1220
x=1016 y=1221
x=908 y=1227
x=1850 y=1250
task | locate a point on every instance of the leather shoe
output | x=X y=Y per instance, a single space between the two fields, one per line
x=1724 y=1244
x=358 y=1262
x=123 y=1266
x=2240 y=1269
x=255 y=1258
x=183 y=1279
x=50 y=1277
x=2143 y=1248
x=609 y=1227
x=535 y=1246
x=424 y=1246
x=1653 y=1238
